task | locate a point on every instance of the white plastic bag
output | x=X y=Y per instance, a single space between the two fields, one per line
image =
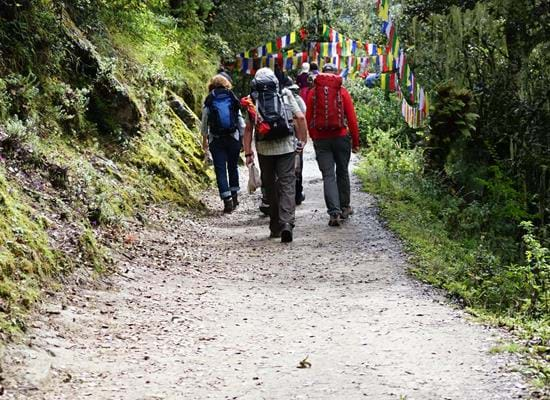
x=254 y=180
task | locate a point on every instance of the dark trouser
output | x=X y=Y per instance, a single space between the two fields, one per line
x=299 y=165
x=279 y=182
x=225 y=154
x=333 y=157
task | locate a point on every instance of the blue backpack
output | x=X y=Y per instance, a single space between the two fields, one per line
x=223 y=112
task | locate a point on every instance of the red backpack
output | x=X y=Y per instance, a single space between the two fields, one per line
x=328 y=103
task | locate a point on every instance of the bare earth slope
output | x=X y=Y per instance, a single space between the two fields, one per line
x=209 y=308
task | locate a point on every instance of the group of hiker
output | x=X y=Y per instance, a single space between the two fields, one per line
x=273 y=124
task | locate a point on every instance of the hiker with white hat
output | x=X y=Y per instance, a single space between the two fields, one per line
x=302 y=80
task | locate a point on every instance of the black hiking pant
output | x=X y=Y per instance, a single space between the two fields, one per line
x=279 y=182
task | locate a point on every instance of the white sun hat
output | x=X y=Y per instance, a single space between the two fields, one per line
x=305 y=68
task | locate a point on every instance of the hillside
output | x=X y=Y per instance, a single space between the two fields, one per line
x=97 y=122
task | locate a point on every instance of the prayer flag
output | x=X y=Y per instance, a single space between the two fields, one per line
x=326 y=32
x=383 y=63
x=345 y=47
x=411 y=85
x=384 y=10
x=324 y=50
x=271 y=61
x=390 y=31
x=261 y=51
x=402 y=61
x=384 y=82
x=395 y=46
x=372 y=49
x=393 y=82
x=292 y=37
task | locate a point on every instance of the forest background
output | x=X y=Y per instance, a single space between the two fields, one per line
x=97 y=122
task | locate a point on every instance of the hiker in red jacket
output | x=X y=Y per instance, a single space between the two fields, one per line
x=333 y=128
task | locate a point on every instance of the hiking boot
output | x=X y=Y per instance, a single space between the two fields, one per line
x=286 y=233
x=300 y=198
x=334 y=220
x=235 y=199
x=346 y=212
x=228 y=205
x=275 y=235
x=264 y=208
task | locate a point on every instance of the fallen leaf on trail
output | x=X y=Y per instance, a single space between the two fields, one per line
x=130 y=238
x=304 y=363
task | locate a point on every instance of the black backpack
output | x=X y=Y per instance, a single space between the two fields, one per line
x=223 y=112
x=272 y=110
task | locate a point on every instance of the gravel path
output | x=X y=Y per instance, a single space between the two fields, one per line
x=210 y=308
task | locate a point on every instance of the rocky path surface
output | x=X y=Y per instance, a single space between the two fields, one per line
x=210 y=308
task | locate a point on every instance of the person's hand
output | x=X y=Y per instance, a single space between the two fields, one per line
x=249 y=158
x=299 y=147
x=355 y=149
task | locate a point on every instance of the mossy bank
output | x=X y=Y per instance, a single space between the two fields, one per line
x=97 y=122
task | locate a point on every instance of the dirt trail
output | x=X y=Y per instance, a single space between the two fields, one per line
x=209 y=308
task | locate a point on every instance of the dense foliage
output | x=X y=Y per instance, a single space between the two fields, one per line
x=462 y=245
x=96 y=123
x=498 y=52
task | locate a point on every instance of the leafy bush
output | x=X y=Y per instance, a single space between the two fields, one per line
x=498 y=61
x=466 y=247
x=452 y=124
x=69 y=106
x=378 y=111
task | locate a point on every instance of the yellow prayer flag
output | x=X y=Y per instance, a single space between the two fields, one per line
x=396 y=48
x=292 y=37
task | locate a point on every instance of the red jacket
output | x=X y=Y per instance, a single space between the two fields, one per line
x=351 y=117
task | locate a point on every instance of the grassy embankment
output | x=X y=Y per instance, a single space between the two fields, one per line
x=88 y=137
x=455 y=244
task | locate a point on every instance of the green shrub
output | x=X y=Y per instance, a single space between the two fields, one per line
x=467 y=247
x=377 y=111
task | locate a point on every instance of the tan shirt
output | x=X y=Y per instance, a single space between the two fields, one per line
x=285 y=145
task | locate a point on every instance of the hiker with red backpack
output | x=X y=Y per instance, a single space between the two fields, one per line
x=279 y=130
x=222 y=129
x=333 y=127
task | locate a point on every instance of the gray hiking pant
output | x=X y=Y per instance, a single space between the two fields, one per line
x=333 y=157
x=279 y=182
